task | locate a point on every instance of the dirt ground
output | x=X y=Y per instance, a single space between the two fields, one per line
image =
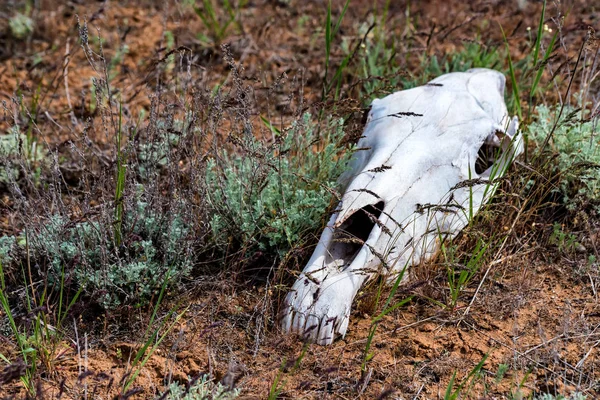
x=537 y=311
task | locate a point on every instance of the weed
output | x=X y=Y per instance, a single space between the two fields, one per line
x=565 y=241
x=388 y=307
x=7 y=248
x=382 y=74
x=119 y=182
x=26 y=351
x=40 y=340
x=152 y=339
x=531 y=69
x=473 y=55
x=279 y=383
x=459 y=275
x=469 y=381
x=116 y=61
x=331 y=31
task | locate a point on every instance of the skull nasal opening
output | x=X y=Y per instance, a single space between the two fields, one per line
x=350 y=237
x=489 y=152
x=360 y=224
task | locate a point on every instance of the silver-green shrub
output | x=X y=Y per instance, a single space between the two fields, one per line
x=574 y=396
x=269 y=197
x=577 y=146
x=20 y=25
x=7 y=247
x=203 y=389
x=154 y=250
x=16 y=150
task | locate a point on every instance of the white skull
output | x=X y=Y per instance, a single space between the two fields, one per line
x=418 y=179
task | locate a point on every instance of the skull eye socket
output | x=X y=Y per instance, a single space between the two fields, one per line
x=489 y=152
x=350 y=237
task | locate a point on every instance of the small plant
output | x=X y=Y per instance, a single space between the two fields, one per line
x=21 y=26
x=377 y=65
x=531 y=67
x=331 y=31
x=216 y=22
x=201 y=389
x=111 y=274
x=467 y=383
x=7 y=248
x=40 y=340
x=18 y=150
x=502 y=370
x=565 y=241
x=459 y=275
x=153 y=338
x=117 y=60
x=27 y=352
x=388 y=307
x=472 y=55
x=279 y=381
x=382 y=73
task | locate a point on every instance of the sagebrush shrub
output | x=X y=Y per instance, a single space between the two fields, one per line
x=153 y=250
x=7 y=247
x=577 y=147
x=18 y=150
x=574 y=396
x=20 y=25
x=270 y=198
x=202 y=389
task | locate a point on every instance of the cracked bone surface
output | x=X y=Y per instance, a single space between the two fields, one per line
x=428 y=162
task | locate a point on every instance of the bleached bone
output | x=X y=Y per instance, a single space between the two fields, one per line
x=430 y=156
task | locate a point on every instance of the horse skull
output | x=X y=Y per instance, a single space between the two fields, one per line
x=425 y=168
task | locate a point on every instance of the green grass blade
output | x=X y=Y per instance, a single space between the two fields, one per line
x=538 y=39
x=540 y=70
x=562 y=107
x=473 y=372
x=328 y=36
x=269 y=125
x=211 y=13
x=513 y=78
x=449 y=395
x=120 y=182
x=149 y=337
x=202 y=17
x=340 y=18
x=392 y=308
x=149 y=354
